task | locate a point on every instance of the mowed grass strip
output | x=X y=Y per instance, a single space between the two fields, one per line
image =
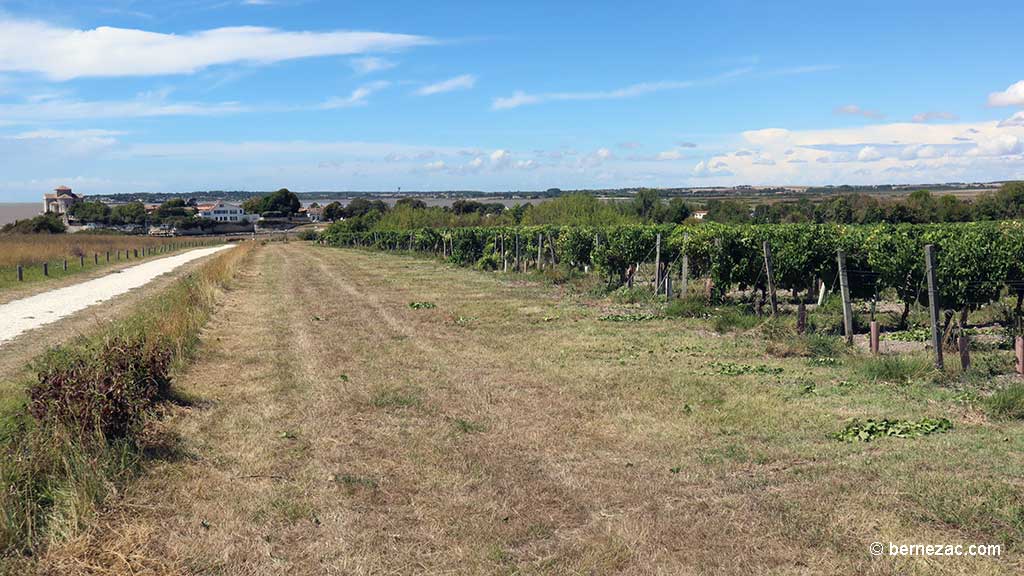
x=337 y=429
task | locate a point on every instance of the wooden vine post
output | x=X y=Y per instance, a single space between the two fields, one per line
x=844 y=287
x=933 y=303
x=770 y=271
x=965 y=350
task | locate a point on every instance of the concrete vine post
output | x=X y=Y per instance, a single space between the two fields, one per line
x=517 y=252
x=540 y=251
x=769 y=267
x=933 y=303
x=844 y=287
x=657 y=263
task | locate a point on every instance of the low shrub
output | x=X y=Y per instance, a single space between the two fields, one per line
x=309 y=235
x=104 y=385
x=1008 y=403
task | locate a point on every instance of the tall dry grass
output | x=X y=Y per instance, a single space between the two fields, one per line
x=56 y=474
x=27 y=249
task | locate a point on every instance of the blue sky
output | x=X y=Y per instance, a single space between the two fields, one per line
x=183 y=95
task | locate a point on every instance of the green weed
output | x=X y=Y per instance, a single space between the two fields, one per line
x=867 y=430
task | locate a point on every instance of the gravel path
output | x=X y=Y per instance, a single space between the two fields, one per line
x=20 y=316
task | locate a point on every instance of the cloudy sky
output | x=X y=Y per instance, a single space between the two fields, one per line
x=183 y=95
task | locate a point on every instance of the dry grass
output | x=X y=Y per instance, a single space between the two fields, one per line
x=83 y=253
x=27 y=249
x=339 y=431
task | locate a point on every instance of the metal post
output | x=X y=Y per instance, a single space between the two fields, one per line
x=933 y=303
x=21 y=273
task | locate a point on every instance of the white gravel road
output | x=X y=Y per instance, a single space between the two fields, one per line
x=20 y=316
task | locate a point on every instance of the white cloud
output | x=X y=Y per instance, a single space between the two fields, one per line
x=517 y=99
x=463 y=82
x=435 y=166
x=66 y=53
x=500 y=158
x=371 y=64
x=144 y=106
x=1012 y=96
x=669 y=155
x=930 y=116
x=876 y=153
x=920 y=151
x=520 y=98
x=66 y=134
x=1016 y=120
x=706 y=168
x=357 y=97
x=854 y=110
x=869 y=154
x=998 y=145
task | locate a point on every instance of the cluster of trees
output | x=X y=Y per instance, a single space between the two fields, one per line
x=43 y=224
x=573 y=209
x=919 y=207
x=283 y=203
x=100 y=213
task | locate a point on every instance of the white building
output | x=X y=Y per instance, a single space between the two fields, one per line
x=224 y=212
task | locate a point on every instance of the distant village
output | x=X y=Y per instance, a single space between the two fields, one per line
x=175 y=216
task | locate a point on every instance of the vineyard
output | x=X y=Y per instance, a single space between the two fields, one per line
x=976 y=263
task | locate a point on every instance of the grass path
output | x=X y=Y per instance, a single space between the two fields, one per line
x=335 y=430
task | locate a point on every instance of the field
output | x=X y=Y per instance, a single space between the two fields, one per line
x=353 y=412
x=83 y=253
